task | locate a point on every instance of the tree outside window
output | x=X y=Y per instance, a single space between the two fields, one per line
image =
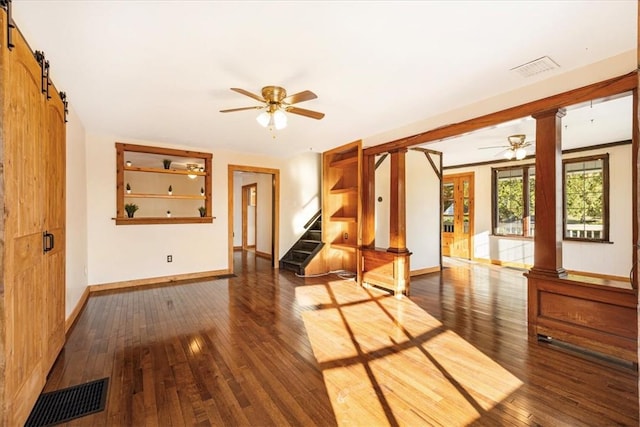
x=510 y=201
x=586 y=199
x=586 y=207
x=514 y=201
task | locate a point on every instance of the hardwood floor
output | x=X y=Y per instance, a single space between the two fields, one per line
x=268 y=348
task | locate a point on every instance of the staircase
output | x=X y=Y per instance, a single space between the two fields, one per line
x=303 y=251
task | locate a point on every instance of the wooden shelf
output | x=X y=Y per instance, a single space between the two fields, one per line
x=347 y=161
x=147 y=179
x=346 y=246
x=164 y=196
x=165 y=220
x=340 y=188
x=344 y=190
x=161 y=170
x=343 y=218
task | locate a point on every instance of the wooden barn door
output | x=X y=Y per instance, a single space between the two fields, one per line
x=33 y=160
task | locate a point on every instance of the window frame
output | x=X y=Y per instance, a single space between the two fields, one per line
x=605 y=190
x=526 y=215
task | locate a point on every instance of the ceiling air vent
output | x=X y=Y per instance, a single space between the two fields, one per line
x=536 y=66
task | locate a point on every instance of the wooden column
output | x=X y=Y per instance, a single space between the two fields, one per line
x=368 y=186
x=397 y=202
x=547 y=260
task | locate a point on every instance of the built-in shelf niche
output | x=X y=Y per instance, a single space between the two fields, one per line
x=165 y=194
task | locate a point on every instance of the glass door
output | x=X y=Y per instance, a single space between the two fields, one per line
x=457 y=215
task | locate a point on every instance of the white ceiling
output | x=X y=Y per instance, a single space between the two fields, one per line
x=594 y=123
x=161 y=70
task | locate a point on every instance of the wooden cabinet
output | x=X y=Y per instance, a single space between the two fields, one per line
x=32 y=307
x=178 y=192
x=341 y=206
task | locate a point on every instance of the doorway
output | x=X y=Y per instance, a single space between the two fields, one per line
x=267 y=197
x=457 y=215
x=249 y=216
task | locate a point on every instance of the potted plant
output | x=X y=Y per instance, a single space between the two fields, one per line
x=203 y=211
x=131 y=208
x=128 y=188
x=170 y=191
x=166 y=163
x=168 y=214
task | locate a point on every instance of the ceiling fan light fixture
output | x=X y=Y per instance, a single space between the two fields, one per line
x=276 y=104
x=521 y=153
x=508 y=154
x=516 y=139
x=264 y=118
x=273 y=119
x=279 y=119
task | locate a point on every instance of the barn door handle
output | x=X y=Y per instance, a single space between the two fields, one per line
x=48 y=241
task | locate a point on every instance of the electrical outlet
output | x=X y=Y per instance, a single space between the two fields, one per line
x=169 y=258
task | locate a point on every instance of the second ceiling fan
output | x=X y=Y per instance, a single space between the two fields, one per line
x=517 y=147
x=275 y=103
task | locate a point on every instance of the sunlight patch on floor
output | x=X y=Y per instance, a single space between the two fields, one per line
x=386 y=360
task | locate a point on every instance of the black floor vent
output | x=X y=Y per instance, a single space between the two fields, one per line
x=69 y=403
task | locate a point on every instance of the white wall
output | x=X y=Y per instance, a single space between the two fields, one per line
x=264 y=209
x=615 y=258
x=129 y=252
x=423 y=211
x=76 y=212
x=610 y=259
x=300 y=196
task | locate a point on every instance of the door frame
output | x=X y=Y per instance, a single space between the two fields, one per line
x=246 y=195
x=472 y=208
x=275 y=209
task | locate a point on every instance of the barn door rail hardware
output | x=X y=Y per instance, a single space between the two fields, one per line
x=44 y=66
x=6 y=5
x=63 y=97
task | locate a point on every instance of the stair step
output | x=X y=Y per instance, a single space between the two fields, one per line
x=300 y=251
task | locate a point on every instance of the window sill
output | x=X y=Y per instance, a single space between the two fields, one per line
x=607 y=242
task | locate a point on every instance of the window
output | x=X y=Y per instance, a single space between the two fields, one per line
x=586 y=198
x=514 y=201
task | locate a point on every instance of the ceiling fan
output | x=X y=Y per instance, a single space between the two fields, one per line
x=517 y=147
x=275 y=103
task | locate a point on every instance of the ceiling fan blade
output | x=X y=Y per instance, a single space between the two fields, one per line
x=493 y=146
x=306 y=95
x=303 y=112
x=230 y=110
x=249 y=94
